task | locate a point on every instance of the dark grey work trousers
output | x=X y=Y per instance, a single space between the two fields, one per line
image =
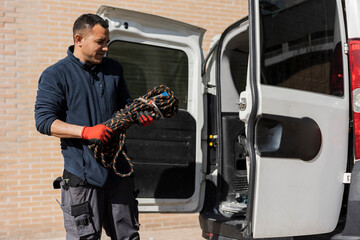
x=87 y=209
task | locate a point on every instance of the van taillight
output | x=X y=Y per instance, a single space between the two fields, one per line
x=354 y=61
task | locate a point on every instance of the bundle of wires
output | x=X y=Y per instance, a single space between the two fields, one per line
x=160 y=103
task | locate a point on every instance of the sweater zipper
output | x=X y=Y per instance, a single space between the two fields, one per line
x=101 y=86
x=103 y=96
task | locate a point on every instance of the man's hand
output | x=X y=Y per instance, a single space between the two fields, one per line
x=96 y=134
x=144 y=118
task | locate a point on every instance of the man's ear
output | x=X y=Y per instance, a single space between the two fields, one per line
x=78 y=39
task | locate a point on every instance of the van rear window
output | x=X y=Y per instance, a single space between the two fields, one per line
x=298 y=45
x=147 y=66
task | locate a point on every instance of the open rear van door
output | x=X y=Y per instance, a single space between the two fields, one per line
x=296 y=110
x=167 y=155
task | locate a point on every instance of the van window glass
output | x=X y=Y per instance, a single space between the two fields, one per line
x=298 y=45
x=238 y=69
x=148 y=66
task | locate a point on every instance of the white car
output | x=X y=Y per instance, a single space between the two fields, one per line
x=268 y=129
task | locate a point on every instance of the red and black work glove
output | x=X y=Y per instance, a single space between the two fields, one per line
x=144 y=118
x=96 y=134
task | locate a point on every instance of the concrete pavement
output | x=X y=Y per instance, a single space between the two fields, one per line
x=190 y=233
x=193 y=233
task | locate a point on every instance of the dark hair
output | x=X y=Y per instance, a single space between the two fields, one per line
x=88 y=20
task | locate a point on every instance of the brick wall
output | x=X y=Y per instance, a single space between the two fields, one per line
x=33 y=35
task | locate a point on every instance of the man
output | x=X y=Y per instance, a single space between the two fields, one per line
x=75 y=95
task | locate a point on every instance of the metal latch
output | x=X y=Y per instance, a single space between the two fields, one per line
x=347 y=178
x=346 y=48
x=242 y=104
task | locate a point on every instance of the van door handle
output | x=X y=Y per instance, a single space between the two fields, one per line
x=287 y=137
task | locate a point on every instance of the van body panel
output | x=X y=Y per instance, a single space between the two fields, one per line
x=352 y=15
x=167 y=155
x=289 y=188
x=293 y=196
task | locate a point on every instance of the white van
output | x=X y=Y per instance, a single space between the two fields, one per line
x=268 y=127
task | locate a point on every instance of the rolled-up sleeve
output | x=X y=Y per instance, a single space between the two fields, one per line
x=49 y=101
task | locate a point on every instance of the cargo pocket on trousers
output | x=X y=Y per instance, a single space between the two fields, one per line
x=77 y=220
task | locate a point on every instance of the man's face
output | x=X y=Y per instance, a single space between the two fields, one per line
x=93 y=45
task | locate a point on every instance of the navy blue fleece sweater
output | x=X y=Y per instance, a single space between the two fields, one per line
x=72 y=92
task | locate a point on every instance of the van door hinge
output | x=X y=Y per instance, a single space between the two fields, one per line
x=347 y=178
x=346 y=48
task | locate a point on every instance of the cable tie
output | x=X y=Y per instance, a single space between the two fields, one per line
x=157 y=109
x=151 y=102
x=143 y=100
